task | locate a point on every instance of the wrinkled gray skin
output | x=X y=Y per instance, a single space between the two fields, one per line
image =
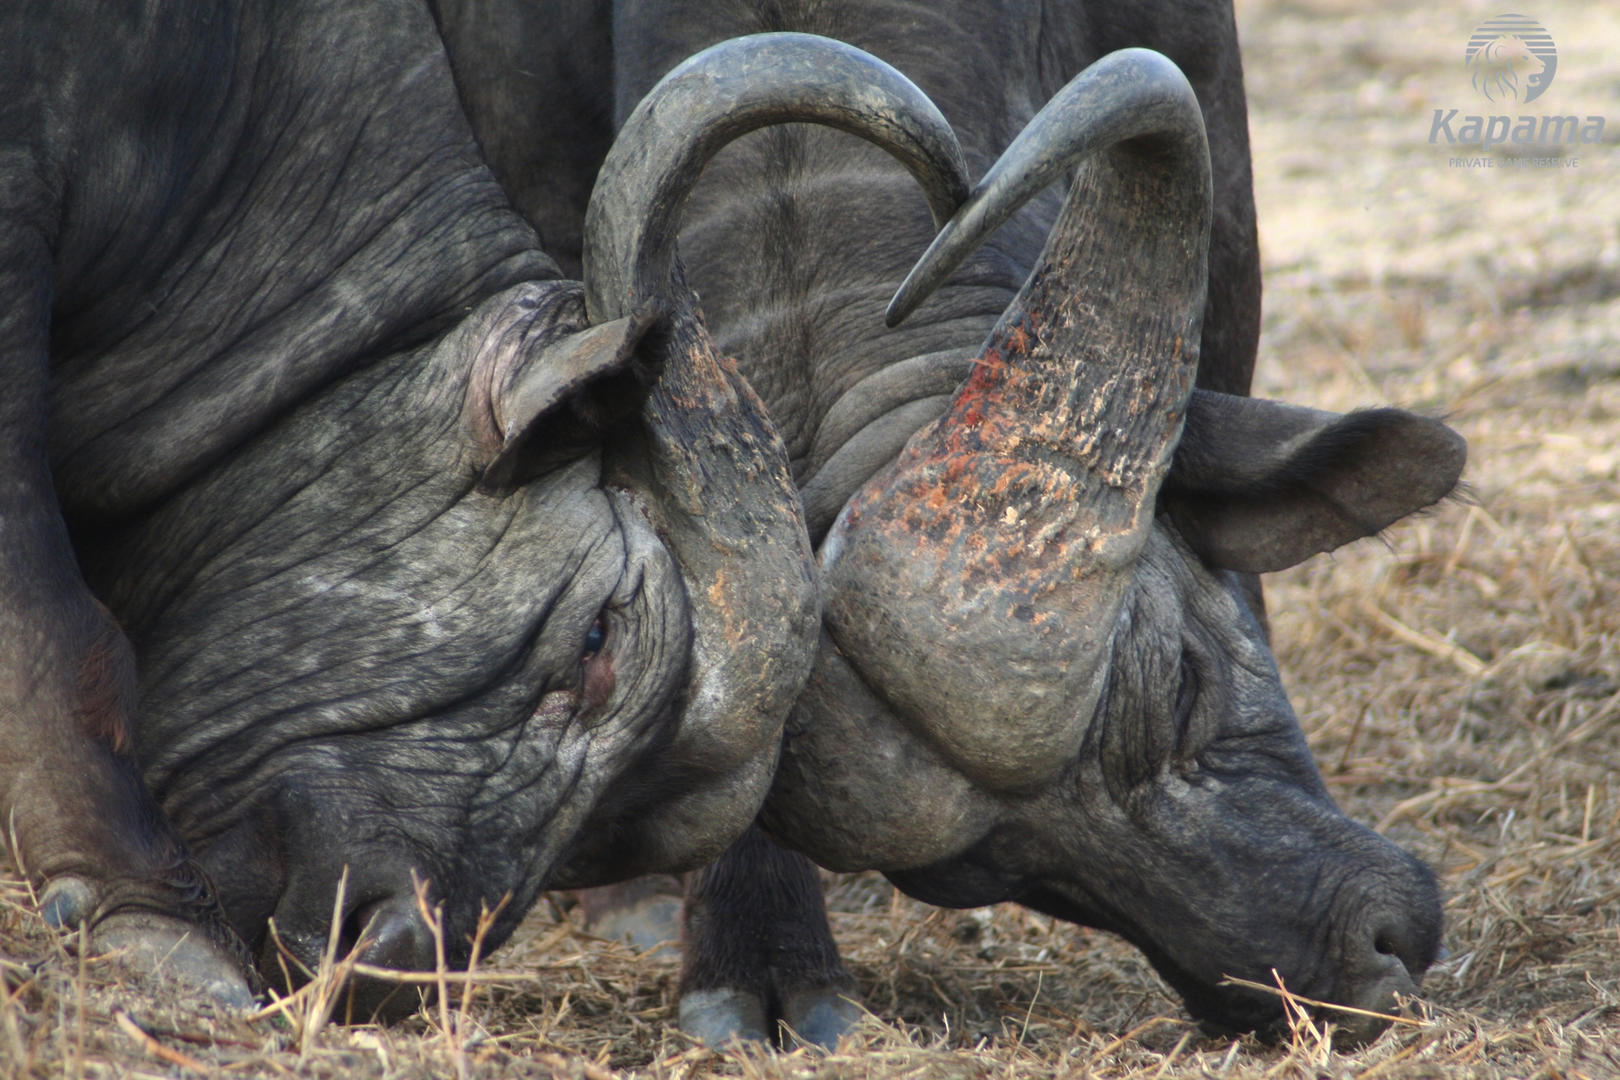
x=266 y=612
x=1058 y=694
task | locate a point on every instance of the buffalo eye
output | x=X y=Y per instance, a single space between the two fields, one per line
x=595 y=640
x=597 y=677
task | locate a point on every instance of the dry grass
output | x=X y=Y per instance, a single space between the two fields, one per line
x=1460 y=683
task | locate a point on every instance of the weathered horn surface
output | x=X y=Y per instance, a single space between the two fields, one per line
x=726 y=504
x=989 y=563
x=725 y=92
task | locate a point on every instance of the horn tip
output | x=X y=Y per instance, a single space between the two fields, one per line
x=904 y=303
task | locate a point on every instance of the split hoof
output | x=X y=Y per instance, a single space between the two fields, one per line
x=817 y=1017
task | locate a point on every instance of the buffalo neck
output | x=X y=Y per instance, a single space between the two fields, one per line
x=333 y=214
x=797 y=237
x=800 y=304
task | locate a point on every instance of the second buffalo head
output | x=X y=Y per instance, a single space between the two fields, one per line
x=1040 y=676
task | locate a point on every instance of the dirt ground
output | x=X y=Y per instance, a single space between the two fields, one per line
x=1460 y=682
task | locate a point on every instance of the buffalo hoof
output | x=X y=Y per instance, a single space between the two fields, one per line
x=718 y=1017
x=652 y=924
x=644 y=911
x=820 y=1017
x=171 y=948
x=66 y=902
x=817 y=1017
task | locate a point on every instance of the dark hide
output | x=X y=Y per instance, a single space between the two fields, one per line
x=538 y=80
x=269 y=614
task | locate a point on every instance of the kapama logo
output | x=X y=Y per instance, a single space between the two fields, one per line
x=1511 y=58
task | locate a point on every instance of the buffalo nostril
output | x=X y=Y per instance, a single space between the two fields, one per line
x=1406 y=944
x=383 y=934
x=388 y=934
x=392 y=934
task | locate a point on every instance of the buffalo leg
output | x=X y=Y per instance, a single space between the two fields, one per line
x=78 y=818
x=759 y=952
x=74 y=811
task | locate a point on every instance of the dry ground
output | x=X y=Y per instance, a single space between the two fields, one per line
x=1460 y=683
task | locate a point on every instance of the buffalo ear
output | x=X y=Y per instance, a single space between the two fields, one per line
x=569 y=394
x=1258 y=485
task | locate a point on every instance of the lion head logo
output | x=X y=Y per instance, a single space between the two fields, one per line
x=1511 y=58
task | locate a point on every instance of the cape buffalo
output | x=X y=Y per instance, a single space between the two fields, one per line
x=1043 y=673
x=344 y=540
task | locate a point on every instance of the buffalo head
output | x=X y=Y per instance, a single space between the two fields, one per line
x=1039 y=677
x=519 y=602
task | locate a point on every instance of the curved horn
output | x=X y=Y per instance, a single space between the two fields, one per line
x=1024 y=508
x=1130 y=95
x=713 y=98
